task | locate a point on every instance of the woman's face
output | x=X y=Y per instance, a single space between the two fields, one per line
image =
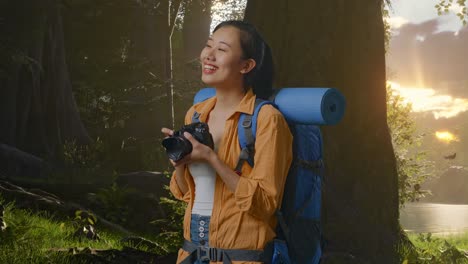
x=222 y=63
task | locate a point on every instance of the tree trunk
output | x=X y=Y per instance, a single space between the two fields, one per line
x=38 y=110
x=334 y=43
x=196 y=29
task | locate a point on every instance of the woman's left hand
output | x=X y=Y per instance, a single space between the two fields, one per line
x=200 y=152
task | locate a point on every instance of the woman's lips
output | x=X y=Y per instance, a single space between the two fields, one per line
x=209 y=69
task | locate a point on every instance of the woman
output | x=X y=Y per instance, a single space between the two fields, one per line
x=230 y=215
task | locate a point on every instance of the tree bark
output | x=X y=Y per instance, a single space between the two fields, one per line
x=334 y=43
x=38 y=110
x=16 y=162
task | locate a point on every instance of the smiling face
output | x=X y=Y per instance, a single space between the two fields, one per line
x=222 y=59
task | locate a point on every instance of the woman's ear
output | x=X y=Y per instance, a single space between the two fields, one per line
x=248 y=65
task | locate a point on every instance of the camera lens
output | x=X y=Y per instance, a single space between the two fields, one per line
x=177 y=147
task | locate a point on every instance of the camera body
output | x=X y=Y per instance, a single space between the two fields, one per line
x=177 y=146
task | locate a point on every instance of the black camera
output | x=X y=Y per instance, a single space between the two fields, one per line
x=177 y=146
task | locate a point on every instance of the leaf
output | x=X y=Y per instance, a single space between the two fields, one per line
x=78 y=213
x=92 y=217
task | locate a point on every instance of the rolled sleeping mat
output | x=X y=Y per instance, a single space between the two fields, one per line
x=310 y=106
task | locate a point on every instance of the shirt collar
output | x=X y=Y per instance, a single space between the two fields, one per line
x=246 y=105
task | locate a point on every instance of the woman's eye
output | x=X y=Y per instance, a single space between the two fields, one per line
x=208 y=45
x=221 y=49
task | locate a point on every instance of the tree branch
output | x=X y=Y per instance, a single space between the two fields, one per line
x=173 y=15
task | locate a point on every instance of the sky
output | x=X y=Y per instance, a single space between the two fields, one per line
x=417 y=11
x=427 y=58
x=427 y=64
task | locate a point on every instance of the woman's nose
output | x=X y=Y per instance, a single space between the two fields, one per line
x=210 y=55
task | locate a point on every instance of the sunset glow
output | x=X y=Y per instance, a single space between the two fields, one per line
x=396 y=22
x=427 y=100
x=446 y=136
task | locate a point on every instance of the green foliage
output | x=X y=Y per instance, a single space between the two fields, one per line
x=118 y=78
x=170 y=236
x=112 y=203
x=102 y=159
x=85 y=156
x=443 y=6
x=85 y=225
x=412 y=166
x=386 y=5
x=85 y=218
x=84 y=162
x=437 y=250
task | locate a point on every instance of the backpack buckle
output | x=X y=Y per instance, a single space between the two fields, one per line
x=213 y=254
x=203 y=254
x=208 y=254
x=247 y=123
x=244 y=154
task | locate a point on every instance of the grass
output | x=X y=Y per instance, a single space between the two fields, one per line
x=460 y=241
x=438 y=249
x=36 y=238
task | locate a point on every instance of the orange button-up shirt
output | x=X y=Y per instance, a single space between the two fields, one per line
x=244 y=219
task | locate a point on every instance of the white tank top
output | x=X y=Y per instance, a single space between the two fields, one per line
x=204 y=177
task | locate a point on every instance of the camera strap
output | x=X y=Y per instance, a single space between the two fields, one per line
x=196 y=117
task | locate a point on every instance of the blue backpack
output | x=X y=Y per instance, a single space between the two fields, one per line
x=299 y=233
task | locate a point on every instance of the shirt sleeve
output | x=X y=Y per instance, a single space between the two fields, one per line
x=260 y=193
x=175 y=189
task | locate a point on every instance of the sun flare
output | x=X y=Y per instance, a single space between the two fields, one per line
x=446 y=136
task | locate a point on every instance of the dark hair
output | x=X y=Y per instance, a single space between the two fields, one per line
x=260 y=78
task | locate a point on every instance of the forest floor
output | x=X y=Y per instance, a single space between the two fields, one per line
x=41 y=238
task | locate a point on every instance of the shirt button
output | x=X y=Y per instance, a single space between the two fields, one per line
x=202 y=235
x=201 y=229
x=202 y=242
x=202 y=222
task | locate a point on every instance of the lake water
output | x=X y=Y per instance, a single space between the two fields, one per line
x=435 y=218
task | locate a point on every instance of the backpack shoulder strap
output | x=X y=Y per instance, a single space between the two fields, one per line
x=246 y=129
